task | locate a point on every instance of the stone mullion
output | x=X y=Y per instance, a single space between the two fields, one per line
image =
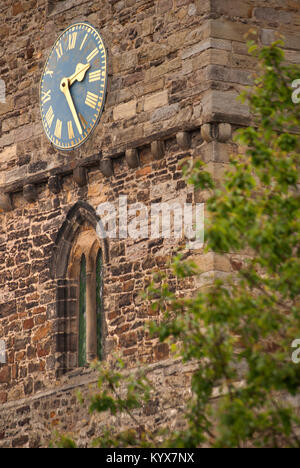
x=91 y=316
x=71 y=324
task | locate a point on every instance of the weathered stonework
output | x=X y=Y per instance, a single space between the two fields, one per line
x=31 y=422
x=176 y=68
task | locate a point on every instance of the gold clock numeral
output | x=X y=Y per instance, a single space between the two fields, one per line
x=49 y=116
x=95 y=76
x=70 y=130
x=72 y=40
x=46 y=96
x=49 y=72
x=91 y=100
x=83 y=42
x=59 y=51
x=83 y=121
x=58 y=129
x=92 y=55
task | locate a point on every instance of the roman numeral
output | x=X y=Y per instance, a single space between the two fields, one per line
x=83 y=42
x=84 y=123
x=95 y=76
x=49 y=116
x=72 y=40
x=59 y=51
x=92 y=55
x=49 y=72
x=58 y=128
x=46 y=96
x=91 y=100
x=70 y=130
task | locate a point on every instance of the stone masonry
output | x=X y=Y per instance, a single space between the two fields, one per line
x=176 y=68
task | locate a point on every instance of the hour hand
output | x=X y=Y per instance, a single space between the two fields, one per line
x=79 y=73
x=64 y=87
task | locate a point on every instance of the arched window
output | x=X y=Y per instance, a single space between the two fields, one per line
x=78 y=267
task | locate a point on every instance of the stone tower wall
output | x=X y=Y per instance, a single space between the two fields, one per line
x=175 y=70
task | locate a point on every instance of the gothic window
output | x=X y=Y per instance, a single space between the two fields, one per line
x=78 y=266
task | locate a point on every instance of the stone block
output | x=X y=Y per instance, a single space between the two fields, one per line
x=147 y=27
x=156 y=100
x=166 y=67
x=18 y=173
x=158 y=149
x=271 y=15
x=24 y=133
x=230 y=30
x=215 y=151
x=206 y=132
x=196 y=49
x=124 y=62
x=7 y=106
x=5 y=375
x=8 y=155
x=230 y=7
x=106 y=167
x=125 y=111
x=164 y=113
x=225 y=132
x=267 y=36
x=164 y=5
x=80 y=176
x=132 y=158
x=292 y=41
x=183 y=140
x=224 y=106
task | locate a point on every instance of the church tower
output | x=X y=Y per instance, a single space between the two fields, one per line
x=100 y=104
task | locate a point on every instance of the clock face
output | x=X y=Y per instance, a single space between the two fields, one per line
x=73 y=86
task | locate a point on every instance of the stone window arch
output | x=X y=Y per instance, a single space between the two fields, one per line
x=78 y=265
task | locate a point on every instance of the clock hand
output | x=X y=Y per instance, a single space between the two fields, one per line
x=64 y=87
x=79 y=73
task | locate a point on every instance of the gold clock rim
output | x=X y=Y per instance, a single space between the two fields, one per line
x=84 y=23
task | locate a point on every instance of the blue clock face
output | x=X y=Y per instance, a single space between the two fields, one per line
x=73 y=86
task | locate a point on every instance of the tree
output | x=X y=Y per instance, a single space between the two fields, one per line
x=240 y=331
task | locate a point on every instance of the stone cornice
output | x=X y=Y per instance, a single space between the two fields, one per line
x=104 y=161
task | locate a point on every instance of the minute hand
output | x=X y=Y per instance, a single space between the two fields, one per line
x=66 y=91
